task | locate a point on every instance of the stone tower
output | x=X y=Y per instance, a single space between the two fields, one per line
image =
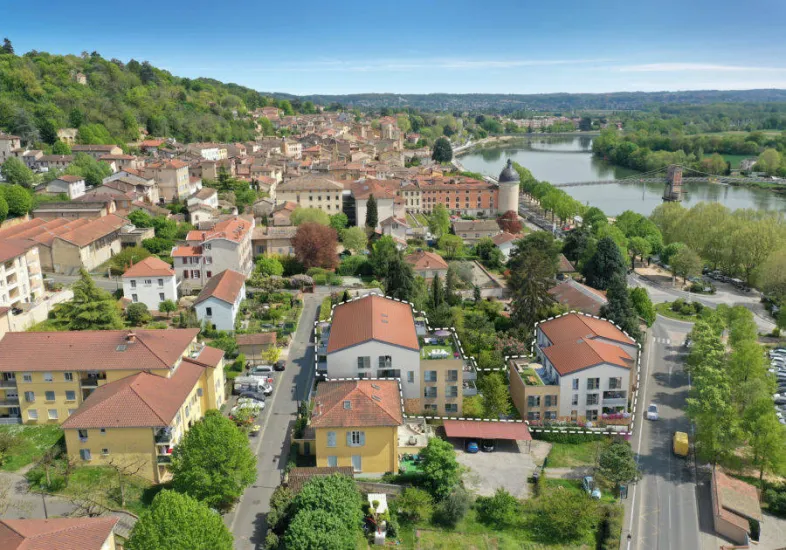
x=508 y=197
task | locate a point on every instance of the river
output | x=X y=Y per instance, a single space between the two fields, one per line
x=569 y=159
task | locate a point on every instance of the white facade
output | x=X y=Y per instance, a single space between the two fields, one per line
x=508 y=197
x=73 y=189
x=20 y=279
x=150 y=290
x=384 y=210
x=218 y=312
x=379 y=357
x=591 y=389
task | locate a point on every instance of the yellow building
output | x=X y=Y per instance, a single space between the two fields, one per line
x=355 y=423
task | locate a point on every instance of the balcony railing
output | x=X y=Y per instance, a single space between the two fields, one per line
x=616 y=402
x=6 y=420
x=92 y=381
x=469 y=372
x=8 y=383
x=470 y=388
x=9 y=402
x=164 y=436
x=164 y=459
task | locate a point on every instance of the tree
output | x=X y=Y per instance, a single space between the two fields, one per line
x=400 y=279
x=315 y=245
x=451 y=244
x=454 y=507
x=437 y=295
x=309 y=215
x=495 y=395
x=48 y=131
x=372 y=216
x=137 y=314
x=415 y=504
x=7 y=46
x=168 y=307
x=489 y=253
x=157 y=245
x=685 y=263
x=16 y=172
x=769 y=161
x=382 y=253
x=642 y=304
x=92 y=170
x=441 y=471
x=439 y=221
x=318 y=530
x=442 y=151
x=213 y=461
x=766 y=437
x=604 y=264
x=561 y=519
x=339 y=223
x=91 y=308
x=355 y=239
x=509 y=221
x=3 y=208
x=499 y=511
x=127 y=257
x=617 y=463
x=619 y=309
x=271 y=354
x=179 y=522
x=532 y=273
x=638 y=246
x=268 y=265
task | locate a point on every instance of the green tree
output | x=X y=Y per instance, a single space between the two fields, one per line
x=766 y=438
x=355 y=239
x=769 y=161
x=61 y=148
x=318 y=530
x=452 y=245
x=638 y=246
x=268 y=265
x=441 y=471
x=213 y=462
x=495 y=396
x=382 y=253
x=685 y=263
x=437 y=295
x=642 y=305
x=451 y=284
x=92 y=170
x=7 y=47
x=453 y=508
x=3 y=208
x=439 y=221
x=48 y=131
x=178 y=522
x=400 y=279
x=309 y=215
x=532 y=270
x=489 y=253
x=617 y=463
x=604 y=264
x=500 y=511
x=339 y=223
x=336 y=494
x=372 y=216
x=415 y=504
x=560 y=519
x=137 y=314
x=442 y=151
x=91 y=308
x=168 y=307
x=127 y=257
x=157 y=245
x=619 y=309
x=16 y=172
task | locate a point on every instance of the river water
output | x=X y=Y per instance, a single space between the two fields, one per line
x=569 y=159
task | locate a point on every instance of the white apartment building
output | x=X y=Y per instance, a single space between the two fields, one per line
x=20 y=274
x=151 y=281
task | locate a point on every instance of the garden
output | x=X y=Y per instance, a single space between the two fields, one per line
x=681 y=310
x=22 y=445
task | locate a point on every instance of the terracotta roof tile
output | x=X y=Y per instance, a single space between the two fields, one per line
x=422 y=260
x=735 y=501
x=568 y=357
x=476 y=225
x=578 y=296
x=209 y=357
x=10 y=249
x=91 y=232
x=370 y=403
x=564 y=265
x=504 y=237
x=151 y=266
x=310 y=182
x=70 y=179
x=225 y=286
x=573 y=326
x=259 y=339
x=59 y=533
x=372 y=318
x=234 y=229
x=186 y=251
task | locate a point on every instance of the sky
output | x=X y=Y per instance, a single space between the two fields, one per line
x=426 y=46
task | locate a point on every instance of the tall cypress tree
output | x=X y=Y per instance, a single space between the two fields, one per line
x=372 y=217
x=437 y=296
x=619 y=308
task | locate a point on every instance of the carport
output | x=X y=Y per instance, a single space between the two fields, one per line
x=484 y=429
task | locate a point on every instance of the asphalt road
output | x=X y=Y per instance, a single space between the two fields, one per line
x=665 y=513
x=247 y=521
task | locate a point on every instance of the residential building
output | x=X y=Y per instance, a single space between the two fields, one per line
x=142 y=189
x=87 y=533
x=97 y=151
x=272 y=240
x=579 y=297
x=505 y=242
x=219 y=302
x=292 y=149
x=151 y=146
x=427 y=264
x=206 y=196
x=254 y=345
x=67 y=135
x=119 y=162
x=226 y=246
x=29 y=156
x=384 y=193
x=20 y=274
x=54 y=162
x=72 y=186
x=208 y=151
x=735 y=507
x=172 y=179
x=460 y=195
x=312 y=192
x=8 y=143
x=355 y=423
x=471 y=231
x=281 y=214
x=85 y=207
x=150 y=282
x=396 y=228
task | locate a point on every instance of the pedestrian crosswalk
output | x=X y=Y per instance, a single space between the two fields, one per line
x=665 y=341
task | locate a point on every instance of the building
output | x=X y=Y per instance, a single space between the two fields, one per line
x=208 y=151
x=427 y=264
x=282 y=214
x=120 y=162
x=471 y=231
x=54 y=162
x=85 y=207
x=20 y=274
x=272 y=240
x=73 y=186
x=226 y=246
x=579 y=297
x=460 y=195
x=97 y=151
x=150 y=282
x=396 y=228
x=8 y=143
x=505 y=242
x=312 y=191
x=355 y=423
x=254 y=345
x=508 y=196
x=292 y=149
x=384 y=194
x=172 y=179
x=206 y=196
x=735 y=505
x=86 y=533
x=219 y=301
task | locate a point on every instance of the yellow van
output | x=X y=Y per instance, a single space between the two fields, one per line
x=681 y=444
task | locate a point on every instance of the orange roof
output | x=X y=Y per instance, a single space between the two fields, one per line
x=94 y=349
x=60 y=533
x=91 y=232
x=186 y=251
x=152 y=266
x=504 y=237
x=487 y=430
x=578 y=296
x=372 y=318
x=137 y=401
x=172 y=164
x=568 y=357
x=573 y=326
x=152 y=143
x=422 y=260
x=259 y=339
x=70 y=179
x=9 y=250
x=564 y=265
x=209 y=357
x=225 y=286
x=357 y=403
x=735 y=501
x=381 y=189
x=233 y=229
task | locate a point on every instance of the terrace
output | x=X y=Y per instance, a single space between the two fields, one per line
x=439 y=345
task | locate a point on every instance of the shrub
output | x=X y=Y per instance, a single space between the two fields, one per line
x=687 y=309
x=500 y=511
x=358 y=266
x=453 y=509
x=776 y=501
x=415 y=504
x=677 y=305
x=610 y=528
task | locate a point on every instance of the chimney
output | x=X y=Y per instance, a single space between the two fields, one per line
x=131 y=338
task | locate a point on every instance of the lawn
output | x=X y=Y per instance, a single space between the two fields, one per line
x=530 y=377
x=570 y=455
x=733 y=159
x=31 y=444
x=422 y=219
x=429 y=348
x=574 y=486
x=665 y=310
x=412 y=220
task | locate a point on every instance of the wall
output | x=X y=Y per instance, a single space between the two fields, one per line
x=379 y=454
x=331 y=201
x=442 y=366
x=344 y=364
x=604 y=372
x=519 y=392
x=131 y=446
x=148 y=294
x=223 y=314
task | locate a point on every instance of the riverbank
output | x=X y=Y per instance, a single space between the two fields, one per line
x=495 y=140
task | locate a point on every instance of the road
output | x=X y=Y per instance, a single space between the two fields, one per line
x=247 y=521
x=665 y=502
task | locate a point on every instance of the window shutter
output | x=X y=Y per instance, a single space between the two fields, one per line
x=349 y=439
x=362 y=438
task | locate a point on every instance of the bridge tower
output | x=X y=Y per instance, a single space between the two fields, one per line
x=673 y=191
x=508 y=193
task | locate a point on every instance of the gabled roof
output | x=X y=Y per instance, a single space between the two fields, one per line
x=568 y=357
x=476 y=225
x=225 y=286
x=578 y=296
x=422 y=259
x=735 y=501
x=70 y=179
x=372 y=318
x=357 y=403
x=258 y=339
x=234 y=229
x=573 y=326
x=504 y=237
x=308 y=183
x=564 y=265
x=392 y=219
x=381 y=189
x=59 y=533
x=10 y=250
x=91 y=232
x=152 y=266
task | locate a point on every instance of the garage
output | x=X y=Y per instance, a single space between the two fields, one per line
x=486 y=430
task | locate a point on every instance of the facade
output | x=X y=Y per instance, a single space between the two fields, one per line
x=272 y=240
x=97 y=151
x=8 y=143
x=205 y=196
x=428 y=264
x=150 y=282
x=172 y=179
x=312 y=192
x=384 y=194
x=471 y=231
x=355 y=423
x=208 y=151
x=505 y=242
x=73 y=186
x=64 y=533
x=20 y=274
x=396 y=228
x=508 y=189
x=54 y=162
x=219 y=301
x=74 y=210
x=87 y=246
x=461 y=196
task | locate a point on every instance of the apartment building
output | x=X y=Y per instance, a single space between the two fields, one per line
x=312 y=191
x=273 y=240
x=72 y=186
x=20 y=274
x=226 y=246
x=208 y=151
x=172 y=179
x=150 y=282
x=461 y=196
x=384 y=193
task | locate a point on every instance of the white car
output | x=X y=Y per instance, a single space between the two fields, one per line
x=652 y=412
x=250 y=400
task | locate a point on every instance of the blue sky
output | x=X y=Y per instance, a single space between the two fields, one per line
x=426 y=46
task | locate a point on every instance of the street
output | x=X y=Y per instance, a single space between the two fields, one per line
x=247 y=520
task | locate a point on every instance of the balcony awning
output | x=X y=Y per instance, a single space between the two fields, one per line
x=486 y=429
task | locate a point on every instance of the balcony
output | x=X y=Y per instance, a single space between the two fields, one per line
x=615 y=399
x=8 y=420
x=92 y=380
x=164 y=435
x=470 y=388
x=164 y=459
x=8 y=383
x=469 y=372
x=389 y=373
x=9 y=402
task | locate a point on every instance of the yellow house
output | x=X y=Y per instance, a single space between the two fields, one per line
x=355 y=423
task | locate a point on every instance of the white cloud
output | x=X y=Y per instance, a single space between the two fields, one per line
x=676 y=67
x=427 y=64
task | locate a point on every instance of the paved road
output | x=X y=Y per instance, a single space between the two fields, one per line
x=247 y=521
x=665 y=512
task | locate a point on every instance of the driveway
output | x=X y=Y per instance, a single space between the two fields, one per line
x=508 y=467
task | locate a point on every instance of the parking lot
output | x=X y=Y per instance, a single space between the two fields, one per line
x=778 y=369
x=509 y=467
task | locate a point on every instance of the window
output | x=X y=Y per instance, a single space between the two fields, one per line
x=48 y=377
x=593 y=383
x=592 y=415
x=32 y=414
x=551 y=415
x=49 y=395
x=575 y=400
x=82 y=435
x=199 y=392
x=551 y=400
x=27 y=377
x=357 y=462
x=430 y=376
x=102 y=431
x=133 y=283
x=452 y=376
x=161 y=282
x=188 y=411
x=161 y=296
x=68 y=376
x=52 y=414
x=331 y=439
x=592 y=399
x=30 y=396
x=209 y=274
x=575 y=383
x=411 y=376
x=615 y=383
x=356 y=438
x=533 y=401
x=209 y=311
x=347 y=405
x=430 y=392
x=104 y=452
x=364 y=362
x=430 y=407
x=148 y=281
x=385 y=361
x=332 y=461
x=85 y=454
x=70 y=395
x=451 y=407
x=134 y=298
x=533 y=415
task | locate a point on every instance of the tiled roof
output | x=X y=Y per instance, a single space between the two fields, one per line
x=381 y=189
x=309 y=182
x=94 y=350
x=204 y=193
x=91 y=232
x=93 y=147
x=372 y=318
x=392 y=219
x=568 y=357
x=151 y=266
x=209 y=357
x=422 y=260
x=564 y=265
x=504 y=237
x=262 y=233
x=40 y=231
x=59 y=533
x=573 y=326
x=357 y=403
x=297 y=477
x=735 y=501
x=137 y=401
x=225 y=286
x=234 y=229
x=259 y=339
x=71 y=179
x=10 y=250
x=172 y=164
x=476 y=225
x=186 y=251
x=578 y=296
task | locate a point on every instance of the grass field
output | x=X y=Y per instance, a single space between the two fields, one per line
x=569 y=455
x=665 y=310
x=31 y=442
x=733 y=159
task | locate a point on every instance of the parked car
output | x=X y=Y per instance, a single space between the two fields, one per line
x=472 y=446
x=259 y=369
x=652 y=412
x=281 y=364
x=251 y=400
x=487 y=445
x=259 y=396
x=588 y=483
